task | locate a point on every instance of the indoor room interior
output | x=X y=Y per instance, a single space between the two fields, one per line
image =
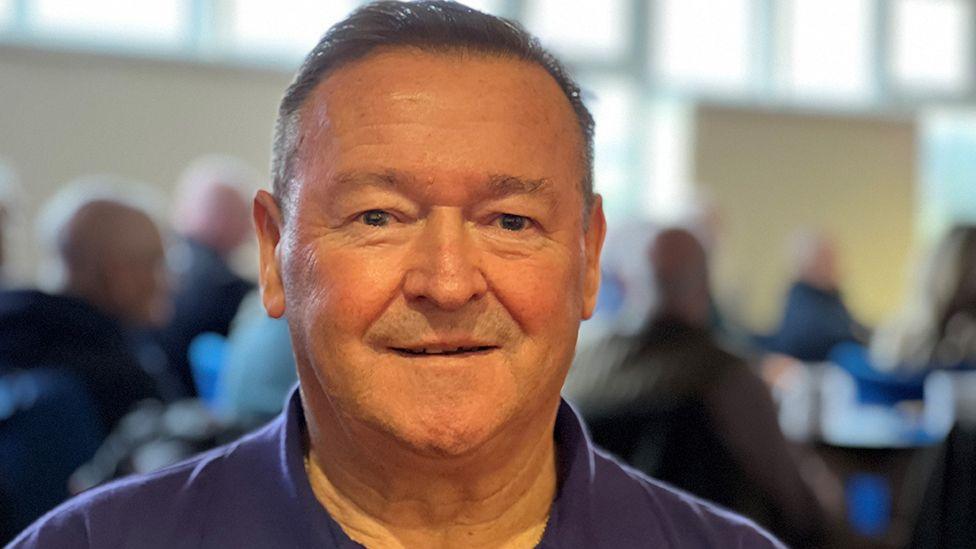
x=774 y=131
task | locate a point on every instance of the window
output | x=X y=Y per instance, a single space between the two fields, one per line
x=612 y=103
x=6 y=13
x=493 y=7
x=284 y=28
x=582 y=29
x=929 y=44
x=947 y=141
x=667 y=147
x=828 y=48
x=703 y=43
x=153 y=22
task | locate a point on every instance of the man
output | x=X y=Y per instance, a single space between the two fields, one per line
x=815 y=318
x=111 y=256
x=676 y=405
x=211 y=216
x=434 y=241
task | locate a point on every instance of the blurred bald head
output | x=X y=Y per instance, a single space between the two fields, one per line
x=815 y=259
x=211 y=202
x=679 y=267
x=112 y=257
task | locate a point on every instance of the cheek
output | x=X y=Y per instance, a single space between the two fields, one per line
x=537 y=291
x=338 y=294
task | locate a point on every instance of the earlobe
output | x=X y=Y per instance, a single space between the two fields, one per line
x=268 y=226
x=595 y=234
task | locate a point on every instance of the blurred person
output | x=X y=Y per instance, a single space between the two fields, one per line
x=259 y=366
x=110 y=254
x=814 y=318
x=211 y=215
x=8 y=191
x=673 y=403
x=434 y=240
x=937 y=328
x=706 y=220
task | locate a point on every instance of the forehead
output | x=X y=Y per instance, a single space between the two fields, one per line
x=451 y=110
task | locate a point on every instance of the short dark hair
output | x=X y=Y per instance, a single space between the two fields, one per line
x=430 y=25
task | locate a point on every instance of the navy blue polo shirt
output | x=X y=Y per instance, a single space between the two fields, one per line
x=254 y=493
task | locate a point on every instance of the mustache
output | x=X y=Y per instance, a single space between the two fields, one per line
x=483 y=322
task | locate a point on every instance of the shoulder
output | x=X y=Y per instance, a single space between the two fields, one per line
x=650 y=509
x=166 y=508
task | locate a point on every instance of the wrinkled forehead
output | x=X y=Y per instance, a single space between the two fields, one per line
x=410 y=86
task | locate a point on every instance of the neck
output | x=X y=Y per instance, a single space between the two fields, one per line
x=403 y=499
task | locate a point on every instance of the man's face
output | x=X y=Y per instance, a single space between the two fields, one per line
x=435 y=266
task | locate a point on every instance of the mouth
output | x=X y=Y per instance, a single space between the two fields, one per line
x=444 y=350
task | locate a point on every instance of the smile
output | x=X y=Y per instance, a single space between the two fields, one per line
x=442 y=351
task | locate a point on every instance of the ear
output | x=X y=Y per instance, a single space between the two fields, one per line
x=269 y=227
x=593 y=243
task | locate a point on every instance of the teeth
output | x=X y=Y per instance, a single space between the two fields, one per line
x=442 y=351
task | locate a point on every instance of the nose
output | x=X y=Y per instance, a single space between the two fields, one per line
x=444 y=267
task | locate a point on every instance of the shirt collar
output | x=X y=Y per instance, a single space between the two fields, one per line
x=567 y=518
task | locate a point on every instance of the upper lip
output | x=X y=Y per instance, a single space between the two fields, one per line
x=443 y=347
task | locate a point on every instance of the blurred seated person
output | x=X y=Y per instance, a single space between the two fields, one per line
x=938 y=325
x=257 y=374
x=212 y=217
x=815 y=317
x=48 y=428
x=674 y=404
x=110 y=254
x=259 y=367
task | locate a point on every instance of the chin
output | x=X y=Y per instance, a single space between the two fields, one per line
x=449 y=431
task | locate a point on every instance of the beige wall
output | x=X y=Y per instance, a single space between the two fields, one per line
x=66 y=114
x=773 y=172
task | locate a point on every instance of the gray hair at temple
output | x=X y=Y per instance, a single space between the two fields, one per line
x=433 y=26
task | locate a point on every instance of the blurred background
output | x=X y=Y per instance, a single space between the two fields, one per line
x=775 y=131
x=851 y=115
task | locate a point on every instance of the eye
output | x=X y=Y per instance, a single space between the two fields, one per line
x=512 y=222
x=375 y=218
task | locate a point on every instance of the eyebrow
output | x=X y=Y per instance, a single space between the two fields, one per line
x=389 y=178
x=505 y=185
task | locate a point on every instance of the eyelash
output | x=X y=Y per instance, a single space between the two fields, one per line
x=363 y=216
x=499 y=221
x=527 y=223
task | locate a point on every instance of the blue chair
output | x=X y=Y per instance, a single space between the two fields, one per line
x=874 y=386
x=207 y=354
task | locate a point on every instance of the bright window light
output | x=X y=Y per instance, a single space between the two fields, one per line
x=582 y=29
x=488 y=6
x=160 y=22
x=703 y=43
x=829 y=49
x=667 y=149
x=612 y=102
x=6 y=12
x=929 y=43
x=284 y=27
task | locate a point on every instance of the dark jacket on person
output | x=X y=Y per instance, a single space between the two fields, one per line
x=206 y=297
x=39 y=330
x=814 y=321
x=672 y=403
